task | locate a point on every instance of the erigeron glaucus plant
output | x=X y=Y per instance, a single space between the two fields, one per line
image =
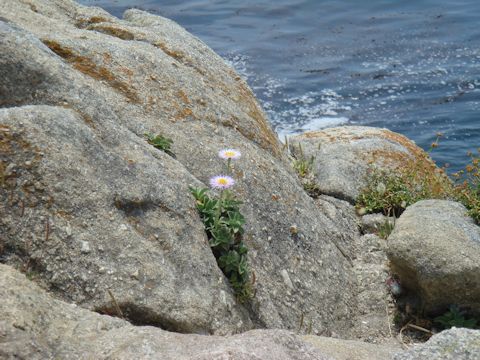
x=223 y=223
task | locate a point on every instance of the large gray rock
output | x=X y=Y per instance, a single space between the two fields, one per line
x=435 y=250
x=86 y=216
x=87 y=205
x=343 y=156
x=453 y=344
x=351 y=349
x=35 y=326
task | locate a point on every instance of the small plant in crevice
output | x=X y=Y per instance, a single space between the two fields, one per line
x=305 y=169
x=386 y=228
x=391 y=191
x=467 y=188
x=455 y=317
x=160 y=142
x=223 y=223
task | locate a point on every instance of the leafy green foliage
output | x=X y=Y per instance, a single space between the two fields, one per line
x=224 y=226
x=304 y=168
x=467 y=188
x=386 y=229
x=388 y=192
x=161 y=143
x=392 y=191
x=454 y=317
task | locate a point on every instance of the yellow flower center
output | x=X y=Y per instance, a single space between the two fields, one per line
x=223 y=181
x=229 y=154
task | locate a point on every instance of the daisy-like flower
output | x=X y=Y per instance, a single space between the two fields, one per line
x=228 y=154
x=221 y=182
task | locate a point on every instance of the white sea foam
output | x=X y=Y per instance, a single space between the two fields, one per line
x=313 y=125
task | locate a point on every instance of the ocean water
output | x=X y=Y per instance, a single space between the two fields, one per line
x=410 y=66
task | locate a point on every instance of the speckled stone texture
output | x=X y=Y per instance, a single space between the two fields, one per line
x=435 y=250
x=35 y=326
x=87 y=205
x=343 y=156
x=453 y=344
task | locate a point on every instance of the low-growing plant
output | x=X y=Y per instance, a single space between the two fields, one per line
x=467 y=188
x=391 y=191
x=304 y=168
x=160 y=142
x=455 y=317
x=386 y=229
x=223 y=223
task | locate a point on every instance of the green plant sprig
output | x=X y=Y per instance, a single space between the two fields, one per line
x=160 y=142
x=455 y=317
x=467 y=187
x=391 y=191
x=223 y=223
x=224 y=226
x=304 y=169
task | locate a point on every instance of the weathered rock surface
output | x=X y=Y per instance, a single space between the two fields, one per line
x=87 y=205
x=374 y=223
x=373 y=318
x=435 y=250
x=351 y=349
x=87 y=216
x=35 y=326
x=453 y=344
x=343 y=156
x=375 y=307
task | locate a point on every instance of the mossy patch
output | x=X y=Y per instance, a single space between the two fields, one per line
x=88 y=67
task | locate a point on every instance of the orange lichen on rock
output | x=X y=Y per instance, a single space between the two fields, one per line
x=178 y=55
x=264 y=133
x=84 y=22
x=88 y=67
x=115 y=31
x=181 y=94
x=184 y=113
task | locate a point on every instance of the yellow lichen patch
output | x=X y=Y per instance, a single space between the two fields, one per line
x=112 y=31
x=88 y=119
x=107 y=58
x=84 y=22
x=184 y=113
x=402 y=140
x=85 y=117
x=64 y=214
x=178 y=55
x=88 y=67
x=181 y=94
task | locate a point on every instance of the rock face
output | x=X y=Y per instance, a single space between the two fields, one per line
x=434 y=248
x=351 y=349
x=88 y=216
x=88 y=206
x=35 y=326
x=343 y=156
x=453 y=344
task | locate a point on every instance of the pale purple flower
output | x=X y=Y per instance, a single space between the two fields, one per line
x=228 y=154
x=221 y=182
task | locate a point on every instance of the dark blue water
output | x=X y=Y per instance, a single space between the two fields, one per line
x=410 y=66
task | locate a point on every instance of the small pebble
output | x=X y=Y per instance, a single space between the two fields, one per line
x=85 y=247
